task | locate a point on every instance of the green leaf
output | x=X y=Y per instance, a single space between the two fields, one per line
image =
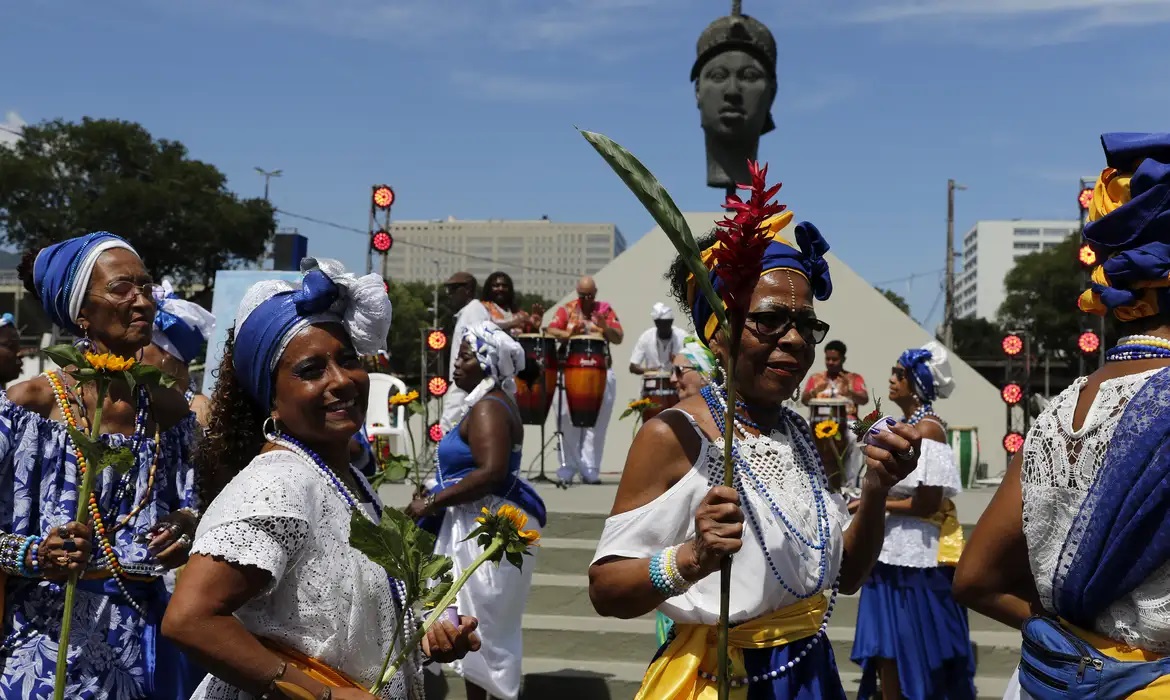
x=382 y=543
x=120 y=458
x=150 y=376
x=516 y=560
x=435 y=594
x=66 y=355
x=626 y=414
x=436 y=568
x=128 y=377
x=415 y=408
x=662 y=208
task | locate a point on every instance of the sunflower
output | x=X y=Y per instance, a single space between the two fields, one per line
x=640 y=404
x=827 y=429
x=108 y=362
x=404 y=399
x=508 y=519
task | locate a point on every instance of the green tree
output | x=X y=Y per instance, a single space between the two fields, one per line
x=1041 y=293
x=977 y=337
x=896 y=299
x=63 y=179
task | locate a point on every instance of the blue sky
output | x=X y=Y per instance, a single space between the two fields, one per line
x=467 y=107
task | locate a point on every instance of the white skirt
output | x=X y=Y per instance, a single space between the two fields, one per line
x=495 y=595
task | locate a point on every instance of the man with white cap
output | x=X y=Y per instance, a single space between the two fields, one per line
x=658 y=345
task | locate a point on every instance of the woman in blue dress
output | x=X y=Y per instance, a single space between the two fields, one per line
x=95 y=287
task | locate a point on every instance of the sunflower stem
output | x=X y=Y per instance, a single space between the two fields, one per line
x=736 y=330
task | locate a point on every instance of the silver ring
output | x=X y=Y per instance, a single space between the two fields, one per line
x=184 y=541
x=906 y=456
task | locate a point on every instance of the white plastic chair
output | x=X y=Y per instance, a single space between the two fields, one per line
x=379 y=419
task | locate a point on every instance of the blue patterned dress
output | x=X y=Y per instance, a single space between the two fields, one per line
x=115 y=653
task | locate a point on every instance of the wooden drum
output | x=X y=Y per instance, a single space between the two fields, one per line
x=537 y=384
x=656 y=386
x=833 y=450
x=586 y=360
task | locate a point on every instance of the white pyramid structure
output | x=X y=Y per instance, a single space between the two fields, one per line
x=875 y=331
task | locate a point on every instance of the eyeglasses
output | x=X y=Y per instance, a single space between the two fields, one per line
x=680 y=371
x=899 y=373
x=125 y=290
x=772 y=325
x=586 y=297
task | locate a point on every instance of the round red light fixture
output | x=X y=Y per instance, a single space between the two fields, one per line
x=435 y=432
x=437 y=386
x=436 y=340
x=1089 y=342
x=1087 y=256
x=1012 y=345
x=1085 y=198
x=1013 y=442
x=382 y=241
x=1012 y=394
x=383 y=197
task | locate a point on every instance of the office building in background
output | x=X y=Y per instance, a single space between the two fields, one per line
x=989 y=250
x=543 y=257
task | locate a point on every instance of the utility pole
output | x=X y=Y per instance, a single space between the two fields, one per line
x=268 y=175
x=949 y=308
x=435 y=308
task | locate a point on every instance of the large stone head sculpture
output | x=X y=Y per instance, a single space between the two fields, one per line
x=735 y=84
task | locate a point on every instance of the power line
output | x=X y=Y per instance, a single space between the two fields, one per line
x=437 y=249
x=910 y=278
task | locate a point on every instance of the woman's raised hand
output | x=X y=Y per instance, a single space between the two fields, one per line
x=893 y=455
x=718 y=534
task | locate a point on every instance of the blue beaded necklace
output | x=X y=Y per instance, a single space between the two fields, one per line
x=926 y=410
x=1132 y=348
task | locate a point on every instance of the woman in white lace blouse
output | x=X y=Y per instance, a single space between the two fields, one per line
x=1079 y=531
x=910 y=630
x=273 y=591
x=673 y=522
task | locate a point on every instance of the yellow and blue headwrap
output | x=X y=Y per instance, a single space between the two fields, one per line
x=1129 y=228
x=807 y=259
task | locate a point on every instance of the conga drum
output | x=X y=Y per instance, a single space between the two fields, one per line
x=656 y=386
x=536 y=385
x=965 y=446
x=832 y=449
x=586 y=358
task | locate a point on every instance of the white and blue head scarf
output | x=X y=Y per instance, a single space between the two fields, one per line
x=273 y=312
x=498 y=353
x=929 y=371
x=181 y=327
x=7 y=320
x=62 y=272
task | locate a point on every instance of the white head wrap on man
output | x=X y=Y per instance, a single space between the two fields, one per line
x=498 y=353
x=273 y=312
x=661 y=312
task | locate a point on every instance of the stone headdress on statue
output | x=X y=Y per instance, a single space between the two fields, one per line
x=735 y=84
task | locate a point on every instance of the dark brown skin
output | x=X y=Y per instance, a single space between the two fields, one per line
x=666 y=448
x=120 y=324
x=484 y=429
x=994 y=576
x=11 y=364
x=321 y=393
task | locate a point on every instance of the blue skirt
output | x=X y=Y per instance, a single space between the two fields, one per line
x=909 y=615
x=815 y=677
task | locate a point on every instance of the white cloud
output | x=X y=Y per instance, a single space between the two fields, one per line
x=12 y=123
x=518 y=88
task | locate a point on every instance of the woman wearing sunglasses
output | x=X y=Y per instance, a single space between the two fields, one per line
x=787 y=531
x=692 y=368
x=910 y=631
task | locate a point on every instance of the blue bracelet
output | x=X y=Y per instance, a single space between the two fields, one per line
x=25 y=570
x=33 y=551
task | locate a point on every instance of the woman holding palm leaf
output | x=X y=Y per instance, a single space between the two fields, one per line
x=140 y=525
x=788 y=533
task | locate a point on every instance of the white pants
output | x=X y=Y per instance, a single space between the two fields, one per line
x=583 y=446
x=453 y=402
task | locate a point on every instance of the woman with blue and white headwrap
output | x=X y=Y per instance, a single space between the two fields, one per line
x=910 y=630
x=95 y=287
x=181 y=331
x=11 y=364
x=693 y=368
x=274 y=591
x=478 y=466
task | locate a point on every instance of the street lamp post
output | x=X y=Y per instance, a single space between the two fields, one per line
x=268 y=175
x=949 y=307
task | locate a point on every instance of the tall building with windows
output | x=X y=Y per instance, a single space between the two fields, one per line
x=989 y=250
x=543 y=257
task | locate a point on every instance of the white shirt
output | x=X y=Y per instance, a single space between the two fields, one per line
x=475 y=312
x=911 y=541
x=326 y=599
x=652 y=352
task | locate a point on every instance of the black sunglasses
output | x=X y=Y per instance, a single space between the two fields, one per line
x=772 y=325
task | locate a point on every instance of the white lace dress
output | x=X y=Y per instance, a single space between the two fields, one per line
x=755 y=591
x=326 y=599
x=1058 y=468
x=910 y=541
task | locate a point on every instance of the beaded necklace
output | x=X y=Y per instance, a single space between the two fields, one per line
x=715 y=396
x=1139 y=347
x=924 y=411
x=106 y=553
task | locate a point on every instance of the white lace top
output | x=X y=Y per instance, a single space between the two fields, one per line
x=755 y=590
x=913 y=541
x=326 y=599
x=1059 y=466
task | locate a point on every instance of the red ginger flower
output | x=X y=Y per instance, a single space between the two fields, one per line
x=745 y=237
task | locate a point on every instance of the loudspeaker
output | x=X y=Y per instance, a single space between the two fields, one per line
x=287 y=251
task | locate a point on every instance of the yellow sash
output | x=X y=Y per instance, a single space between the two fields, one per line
x=675 y=674
x=1158 y=690
x=311 y=667
x=950 y=538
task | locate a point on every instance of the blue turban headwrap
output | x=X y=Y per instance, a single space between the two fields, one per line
x=808 y=259
x=62 y=271
x=181 y=327
x=929 y=371
x=1129 y=228
x=327 y=294
x=7 y=320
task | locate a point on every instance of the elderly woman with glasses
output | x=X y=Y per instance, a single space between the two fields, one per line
x=140 y=524
x=793 y=549
x=692 y=368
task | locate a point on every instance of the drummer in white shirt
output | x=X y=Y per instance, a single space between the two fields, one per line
x=657 y=346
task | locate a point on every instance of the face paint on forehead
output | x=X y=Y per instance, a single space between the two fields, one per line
x=791 y=288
